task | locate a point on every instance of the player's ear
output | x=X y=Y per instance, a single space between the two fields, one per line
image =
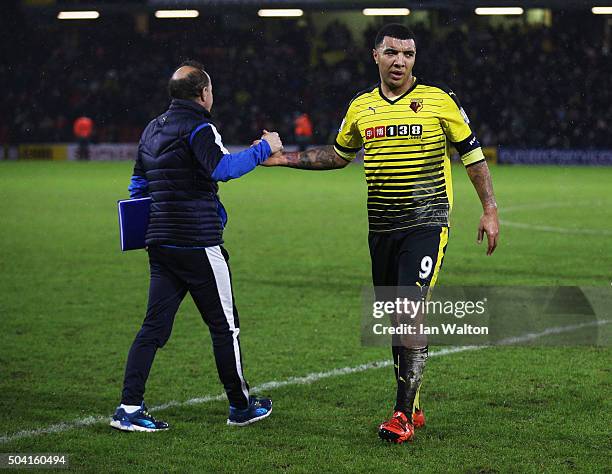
x=375 y=55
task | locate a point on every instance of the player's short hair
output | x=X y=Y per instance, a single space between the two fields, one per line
x=190 y=87
x=393 y=30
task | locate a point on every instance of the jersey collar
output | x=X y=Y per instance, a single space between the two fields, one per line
x=414 y=84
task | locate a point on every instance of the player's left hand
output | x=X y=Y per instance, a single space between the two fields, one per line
x=489 y=224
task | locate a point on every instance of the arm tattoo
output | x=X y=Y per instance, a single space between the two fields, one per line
x=320 y=158
x=481 y=179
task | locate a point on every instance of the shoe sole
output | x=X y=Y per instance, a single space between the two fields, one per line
x=251 y=421
x=131 y=427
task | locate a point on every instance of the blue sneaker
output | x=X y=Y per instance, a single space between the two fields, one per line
x=140 y=420
x=259 y=408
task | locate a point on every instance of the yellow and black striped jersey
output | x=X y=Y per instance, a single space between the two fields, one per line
x=406 y=144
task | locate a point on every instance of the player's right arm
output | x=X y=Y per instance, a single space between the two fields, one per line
x=319 y=158
x=348 y=143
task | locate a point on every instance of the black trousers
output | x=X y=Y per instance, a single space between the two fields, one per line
x=205 y=274
x=408 y=258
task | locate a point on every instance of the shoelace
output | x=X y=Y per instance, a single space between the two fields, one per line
x=397 y=422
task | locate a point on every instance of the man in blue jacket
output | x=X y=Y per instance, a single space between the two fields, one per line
x=180 y=159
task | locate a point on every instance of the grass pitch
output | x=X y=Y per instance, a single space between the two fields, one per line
x=71 y=302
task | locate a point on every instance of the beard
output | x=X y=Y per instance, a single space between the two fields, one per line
x=395 y=84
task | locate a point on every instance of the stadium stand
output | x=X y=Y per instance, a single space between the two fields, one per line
x=522 y=86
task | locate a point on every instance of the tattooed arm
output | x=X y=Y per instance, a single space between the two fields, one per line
x=320 y=158
x=489 y=223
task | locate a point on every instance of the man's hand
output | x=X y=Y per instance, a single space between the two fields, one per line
x=275 y=159
x=273 y=140
x=489 y=224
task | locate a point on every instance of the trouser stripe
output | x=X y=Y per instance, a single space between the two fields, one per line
x=224 y=288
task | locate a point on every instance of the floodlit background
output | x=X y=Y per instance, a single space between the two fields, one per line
x=534 y=78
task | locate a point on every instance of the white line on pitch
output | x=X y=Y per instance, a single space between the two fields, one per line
x=536 y=206
x=274 y=384
x=556 y=230
x=546 y=228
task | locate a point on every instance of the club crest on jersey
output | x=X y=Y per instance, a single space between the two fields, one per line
x=416 y=105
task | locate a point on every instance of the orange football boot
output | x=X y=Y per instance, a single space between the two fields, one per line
x=418 y=419
x=397 y=430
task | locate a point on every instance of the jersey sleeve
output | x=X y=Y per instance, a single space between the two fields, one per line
x=348 y=141
x=455 y=124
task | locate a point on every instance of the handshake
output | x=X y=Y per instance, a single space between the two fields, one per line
x=276 y=145
x=273 y=139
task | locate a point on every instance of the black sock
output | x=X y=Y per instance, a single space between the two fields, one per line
x=409 y=364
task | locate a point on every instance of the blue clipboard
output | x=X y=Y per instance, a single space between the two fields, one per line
x=133 y=222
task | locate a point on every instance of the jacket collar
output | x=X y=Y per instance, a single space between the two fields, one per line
x=189 y=104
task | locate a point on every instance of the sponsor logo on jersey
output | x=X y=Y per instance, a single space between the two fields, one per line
x=414 y=130
x=416 y=105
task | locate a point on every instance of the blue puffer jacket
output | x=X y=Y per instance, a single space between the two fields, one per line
x=180 y=159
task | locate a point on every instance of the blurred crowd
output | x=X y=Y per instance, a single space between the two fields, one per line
x=522 y=86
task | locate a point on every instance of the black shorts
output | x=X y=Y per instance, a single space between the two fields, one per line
x=407 y=257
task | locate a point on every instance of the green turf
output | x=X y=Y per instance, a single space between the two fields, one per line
x=71 y=302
